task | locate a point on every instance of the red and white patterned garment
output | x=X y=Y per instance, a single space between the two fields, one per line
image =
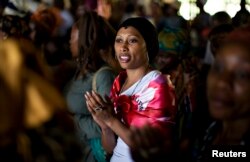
x=151 y=100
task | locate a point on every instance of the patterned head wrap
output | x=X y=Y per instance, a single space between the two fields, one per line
x=174 y=41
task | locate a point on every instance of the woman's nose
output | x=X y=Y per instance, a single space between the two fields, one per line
x=124 y=47
x=225 y=80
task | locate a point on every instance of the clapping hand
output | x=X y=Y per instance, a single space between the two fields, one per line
x=101 y=110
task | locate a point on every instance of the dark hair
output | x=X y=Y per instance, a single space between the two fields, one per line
x=239 y=36
x=95 y=34
x=222 y=17
x=148 y=32
x=46 y=22
x=217 y=36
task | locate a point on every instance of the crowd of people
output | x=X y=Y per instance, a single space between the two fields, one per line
x=103 y=80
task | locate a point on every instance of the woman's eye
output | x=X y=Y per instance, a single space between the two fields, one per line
x=118 y=40
x=133 y=41
x=242 y=75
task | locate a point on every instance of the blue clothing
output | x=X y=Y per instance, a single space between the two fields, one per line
x=89 y=131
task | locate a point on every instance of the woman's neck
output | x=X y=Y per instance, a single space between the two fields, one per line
x=133 y=75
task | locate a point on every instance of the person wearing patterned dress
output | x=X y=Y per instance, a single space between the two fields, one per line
x=139 y=96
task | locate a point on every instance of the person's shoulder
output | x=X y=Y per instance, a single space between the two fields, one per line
x=155 y=73
x=104 y=75
x=106 y=71
x=158 y=77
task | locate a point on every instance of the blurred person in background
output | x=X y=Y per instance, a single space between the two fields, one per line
x=35 y=124
x=156 y=13
x=67 y=18
x=102 y=7
x=200 y=25
x=217 y=35
x=201 y=48
x=15 y=27
x=44 y=25
x=201 y=116
x=242 y=17
x=202 y=21
x=91 y=45
x=219 y=18
x=118 y=9
x=228 y=96
x=140 y=95
x=171 y=60
x=3 y=4
x=129 y=11
x=172 y=19
x=15 y=7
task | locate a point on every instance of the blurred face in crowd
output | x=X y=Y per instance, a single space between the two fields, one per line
x=74 y=41
x=104 y=8
x=130 y=48
x=229 y=84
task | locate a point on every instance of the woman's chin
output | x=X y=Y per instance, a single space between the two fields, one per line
x=220 y=114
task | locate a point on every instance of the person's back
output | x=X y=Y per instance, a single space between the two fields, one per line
x=91 y=47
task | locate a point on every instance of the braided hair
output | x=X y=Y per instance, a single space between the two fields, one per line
x=95 y=35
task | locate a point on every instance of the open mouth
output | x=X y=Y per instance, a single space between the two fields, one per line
x=124 y=58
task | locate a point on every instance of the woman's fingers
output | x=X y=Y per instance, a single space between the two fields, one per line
x=89 y=101
x=95 y=101
x=92 y=100
x=89 y=107
x=98 y=98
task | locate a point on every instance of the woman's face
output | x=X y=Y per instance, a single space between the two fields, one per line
x=228 y=84
x=104 y=9
x=74 y=41
x=130 y=48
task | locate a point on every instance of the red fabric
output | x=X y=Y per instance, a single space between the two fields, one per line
x=160 y=106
